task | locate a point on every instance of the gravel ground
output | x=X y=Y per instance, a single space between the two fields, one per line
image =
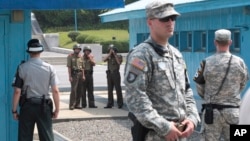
x=100 y=130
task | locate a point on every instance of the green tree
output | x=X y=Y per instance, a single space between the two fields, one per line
x=130 y=1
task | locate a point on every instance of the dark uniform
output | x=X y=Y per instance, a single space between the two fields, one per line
x=88 y=84
x=114 y=79
x=75 y=68
x=34 y=77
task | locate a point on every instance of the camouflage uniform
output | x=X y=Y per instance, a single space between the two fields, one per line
x=214 y=72
x=75 y=62
x=158 y=90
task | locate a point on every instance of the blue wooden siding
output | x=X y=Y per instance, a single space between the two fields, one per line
x=3 y=70
x=14 y=36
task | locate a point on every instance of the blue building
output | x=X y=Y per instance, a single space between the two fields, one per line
x=15 y=23
x=194 y=31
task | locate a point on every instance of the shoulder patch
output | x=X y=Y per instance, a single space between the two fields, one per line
x=138 y=63
x=131 y=77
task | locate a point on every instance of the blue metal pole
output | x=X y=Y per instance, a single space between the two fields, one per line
x=75 y=20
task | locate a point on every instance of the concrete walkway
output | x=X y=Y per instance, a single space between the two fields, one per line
x=86 y=113
x=90 y=113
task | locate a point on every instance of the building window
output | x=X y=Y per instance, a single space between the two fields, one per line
x=185 y=44
x=203 y=41
x=189 y=39
x=236 y=41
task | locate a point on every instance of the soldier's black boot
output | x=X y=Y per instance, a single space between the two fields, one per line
x=92 y=104
x=109 y=105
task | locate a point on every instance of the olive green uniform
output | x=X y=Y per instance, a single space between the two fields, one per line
x=88 y=84
x=114 y=80
x=75 y=62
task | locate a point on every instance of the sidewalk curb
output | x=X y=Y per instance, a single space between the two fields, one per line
x=60 y=137
x=88 y=118
x=97 y=88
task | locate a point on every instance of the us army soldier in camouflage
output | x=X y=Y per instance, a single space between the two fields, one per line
x=224 y=77
x=157 y=85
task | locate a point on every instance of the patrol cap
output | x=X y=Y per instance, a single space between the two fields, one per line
x=34 y=46
x=87 y=48
x=160 y=9
x=222 y=35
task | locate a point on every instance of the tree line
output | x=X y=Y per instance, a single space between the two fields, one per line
x=64 y=20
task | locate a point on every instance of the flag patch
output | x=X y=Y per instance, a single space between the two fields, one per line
x=138 y=63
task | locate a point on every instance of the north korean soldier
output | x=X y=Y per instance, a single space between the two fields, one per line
x=113 y=76
x=158 y=93
x=76 y=77
x=88 y=84
x=220 y=81
x=33 y=81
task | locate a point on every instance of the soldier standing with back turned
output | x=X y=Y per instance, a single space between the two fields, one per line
x=219 y=81
x=88 y=84
x=76 y=77
x=32 y=82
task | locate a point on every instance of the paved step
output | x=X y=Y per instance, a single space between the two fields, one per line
x=55 y=60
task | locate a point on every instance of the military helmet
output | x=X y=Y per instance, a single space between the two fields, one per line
x=86 y=48
x=77 y=46
x=111 y=46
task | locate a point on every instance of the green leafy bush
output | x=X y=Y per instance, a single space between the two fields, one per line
x=122 y=46
x=73 y=35
x=81 y=38
x=92 y=39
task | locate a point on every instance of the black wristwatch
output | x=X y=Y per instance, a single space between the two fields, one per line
x=14 y=112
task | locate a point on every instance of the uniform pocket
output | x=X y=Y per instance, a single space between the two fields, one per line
x=231 y=115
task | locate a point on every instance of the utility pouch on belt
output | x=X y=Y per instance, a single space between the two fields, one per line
x=139 y=132
x=23 y=97
x=209 y=114
x=107 y=71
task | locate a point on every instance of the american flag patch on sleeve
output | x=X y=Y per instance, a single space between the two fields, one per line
x=138 y=63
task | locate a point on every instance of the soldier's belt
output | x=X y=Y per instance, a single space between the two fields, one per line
x=37 y=100
x=217 y=106
x=88 y=72
x=77 y=70
x=112 y=71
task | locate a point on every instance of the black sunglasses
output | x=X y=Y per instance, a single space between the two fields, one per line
x=166 y=19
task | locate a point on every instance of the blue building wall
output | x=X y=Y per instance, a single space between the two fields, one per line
x=200 y=27
x=14 y=36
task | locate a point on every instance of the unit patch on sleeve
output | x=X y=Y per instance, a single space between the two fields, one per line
x=131 y=77
x=138 y=63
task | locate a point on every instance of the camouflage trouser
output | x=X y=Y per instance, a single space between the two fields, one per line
x=220 y=129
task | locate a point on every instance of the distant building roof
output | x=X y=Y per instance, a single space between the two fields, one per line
x=140 y=5
x=137 y=9
x=59 y=4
